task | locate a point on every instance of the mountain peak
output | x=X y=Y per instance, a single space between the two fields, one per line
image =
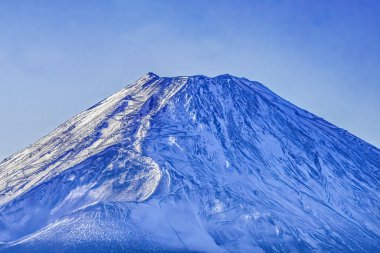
x=225 y=76
x=151 y=74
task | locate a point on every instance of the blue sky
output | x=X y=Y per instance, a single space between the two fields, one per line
x=58 y=58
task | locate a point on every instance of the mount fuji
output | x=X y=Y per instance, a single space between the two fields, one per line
x=192 y=164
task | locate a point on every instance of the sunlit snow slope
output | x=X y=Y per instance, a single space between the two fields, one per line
x=192 y=164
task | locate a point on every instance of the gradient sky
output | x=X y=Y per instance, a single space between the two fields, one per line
x=58 y=58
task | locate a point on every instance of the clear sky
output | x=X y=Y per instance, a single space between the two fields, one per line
x=58 y=58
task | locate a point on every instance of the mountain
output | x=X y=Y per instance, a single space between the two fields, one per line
x=192 y=164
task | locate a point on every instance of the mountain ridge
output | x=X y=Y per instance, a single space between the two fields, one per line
x=154 y=75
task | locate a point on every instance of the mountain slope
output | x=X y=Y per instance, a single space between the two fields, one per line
x=193 y=164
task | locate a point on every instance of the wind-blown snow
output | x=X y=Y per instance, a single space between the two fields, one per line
x=192 y=164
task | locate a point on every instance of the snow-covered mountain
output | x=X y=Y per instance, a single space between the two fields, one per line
x=192 y=164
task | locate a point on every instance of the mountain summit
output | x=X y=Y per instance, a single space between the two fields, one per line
x=192 y=164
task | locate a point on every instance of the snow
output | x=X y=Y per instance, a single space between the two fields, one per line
x=192 y=163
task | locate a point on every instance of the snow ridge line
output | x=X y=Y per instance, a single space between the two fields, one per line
x=143 y=131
